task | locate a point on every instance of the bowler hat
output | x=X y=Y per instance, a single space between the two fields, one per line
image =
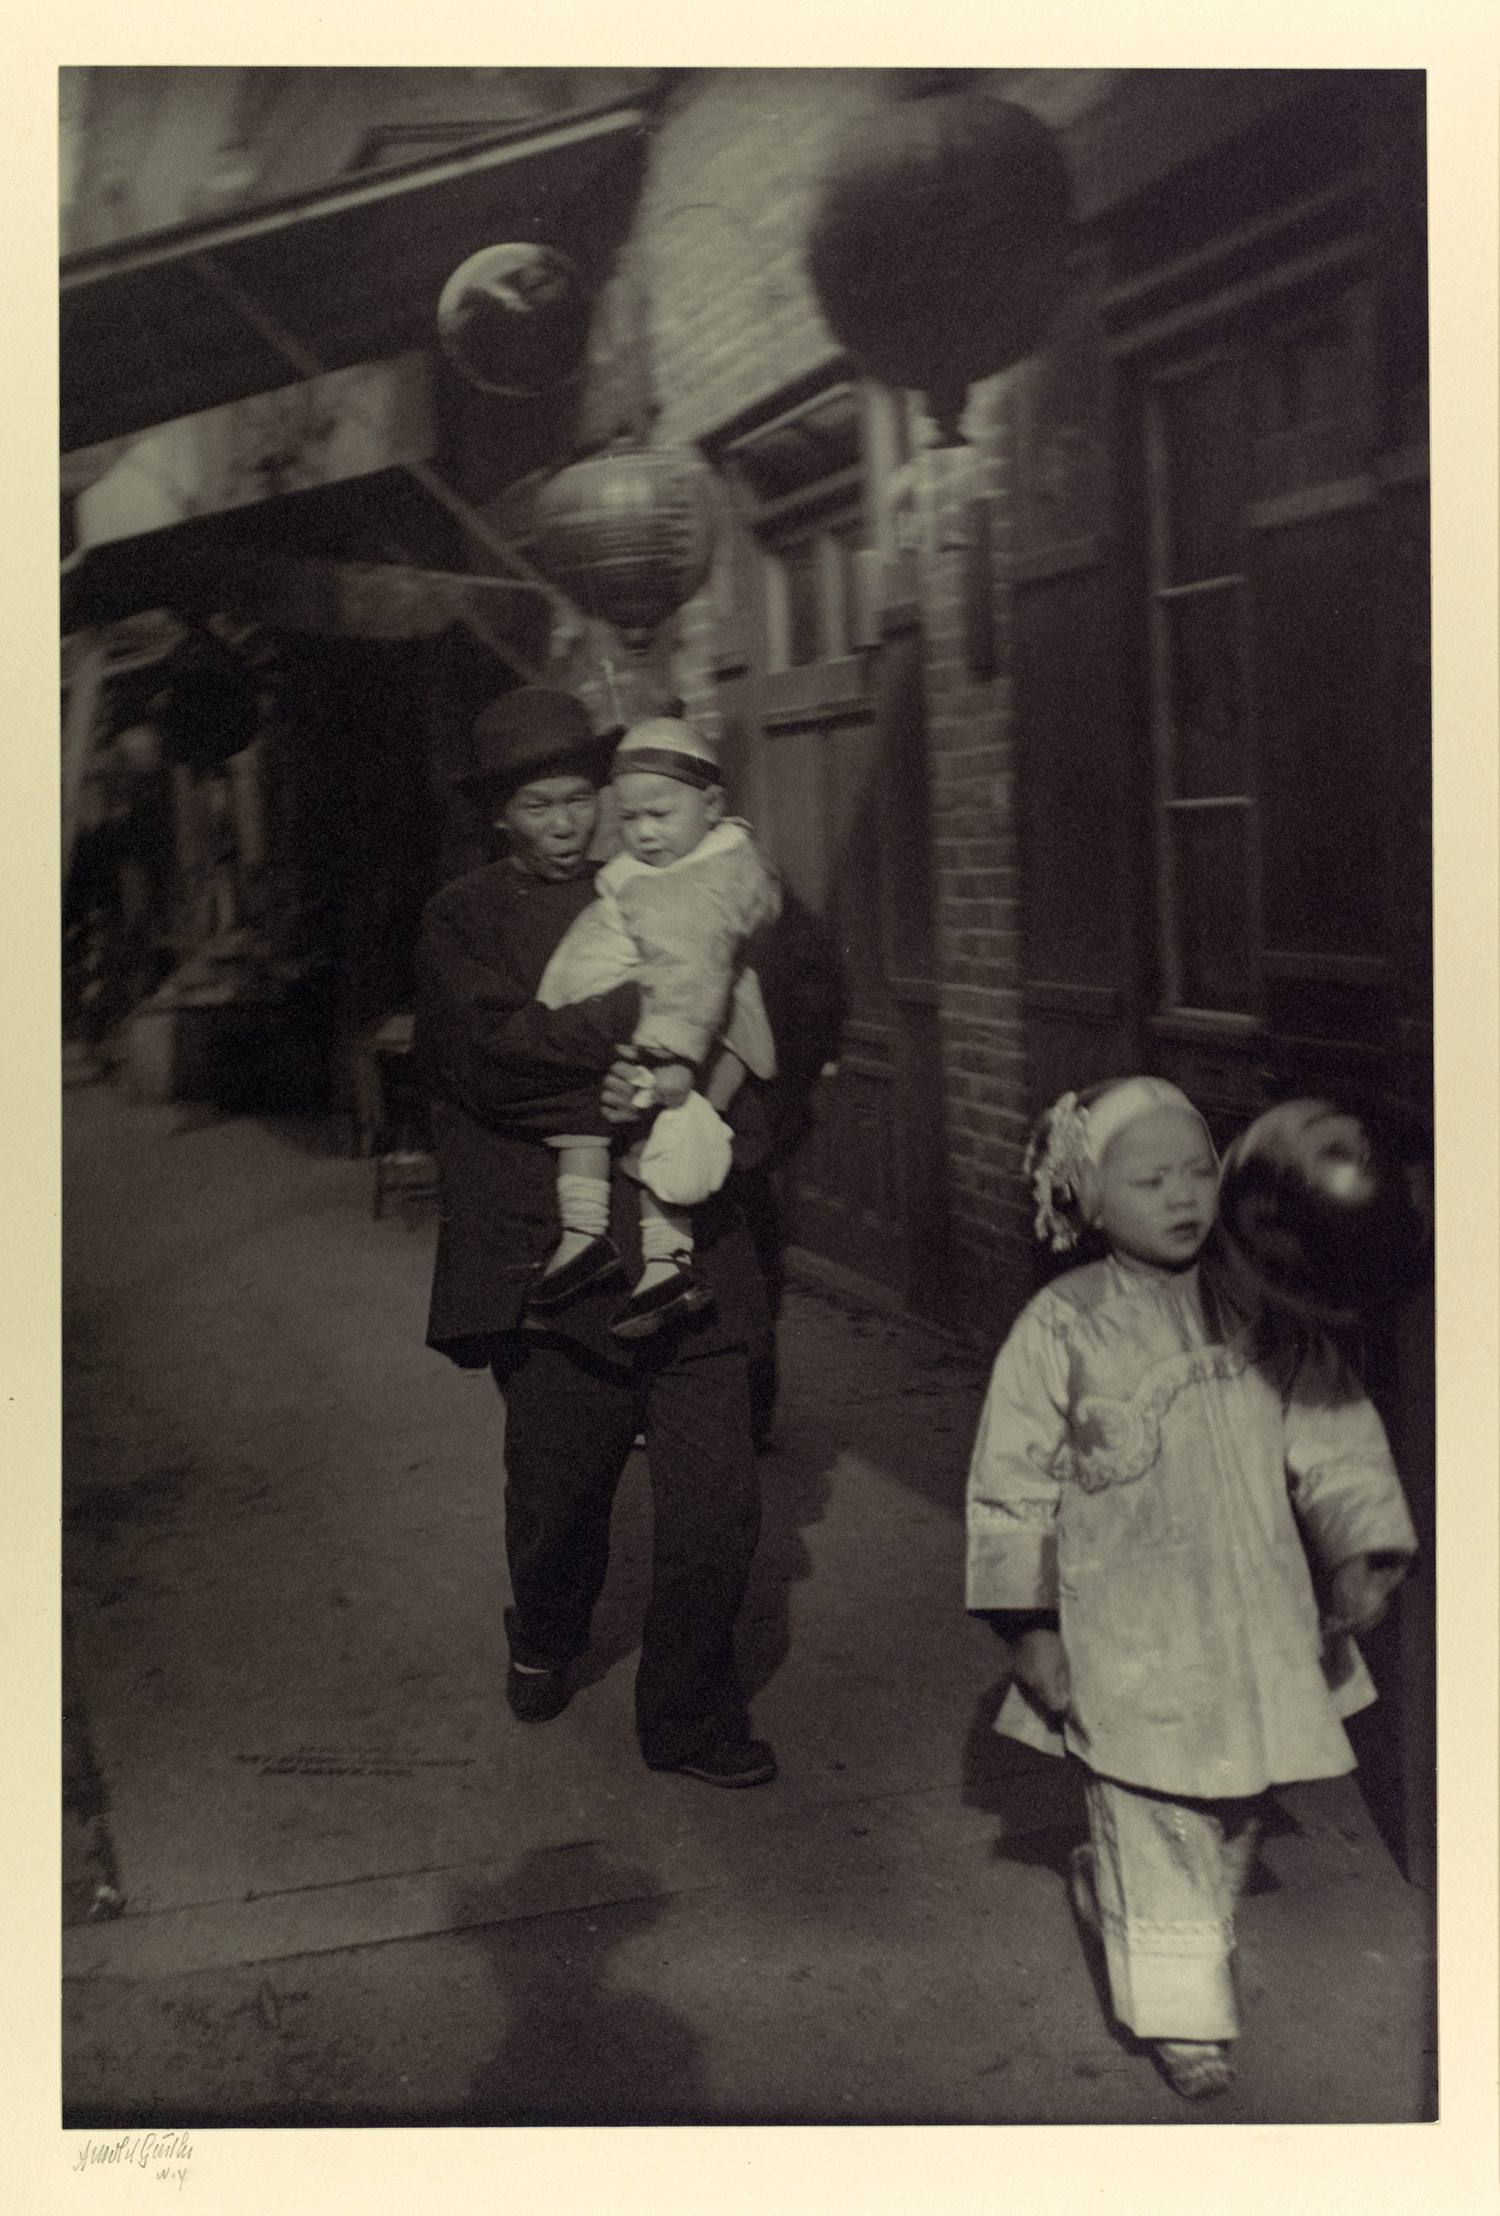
x=532 y=732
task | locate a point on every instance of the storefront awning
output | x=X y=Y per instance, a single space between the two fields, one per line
x=351 y=423
x=274 y=563
x=354 y=271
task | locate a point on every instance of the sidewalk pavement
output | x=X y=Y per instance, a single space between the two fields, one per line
x=318 y=1874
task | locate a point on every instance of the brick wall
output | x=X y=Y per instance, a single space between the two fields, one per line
x=720 y=228
x=718 y=241
x=975 y=873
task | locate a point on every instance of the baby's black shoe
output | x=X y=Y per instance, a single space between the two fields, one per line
x=595 y=1264
x=682 y=1294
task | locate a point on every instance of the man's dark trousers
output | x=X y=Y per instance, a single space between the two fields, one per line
x=571 y=1418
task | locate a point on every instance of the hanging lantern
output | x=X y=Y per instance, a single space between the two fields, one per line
x=936 y=248
x=628 y=535
x=515 y=319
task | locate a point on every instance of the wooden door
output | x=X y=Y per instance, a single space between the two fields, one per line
x=824 y=747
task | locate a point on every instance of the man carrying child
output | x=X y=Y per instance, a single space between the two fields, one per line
x=507 y=1072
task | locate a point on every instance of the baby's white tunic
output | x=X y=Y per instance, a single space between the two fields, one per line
x=680 y=930
x=1149 y=1486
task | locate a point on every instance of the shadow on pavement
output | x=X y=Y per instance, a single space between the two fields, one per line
x=577 y=2050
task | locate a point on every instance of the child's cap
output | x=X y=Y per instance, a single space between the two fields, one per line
x=669 y=748
x=1069 y=1142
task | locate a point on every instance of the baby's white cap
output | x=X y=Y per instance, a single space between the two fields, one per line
x=671 y=749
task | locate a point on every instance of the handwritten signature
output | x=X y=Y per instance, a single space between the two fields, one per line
x=165 y=2153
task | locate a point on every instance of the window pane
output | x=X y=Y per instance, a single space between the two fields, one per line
x=1314 y=405
x=1309 y=374
x=787 y=456
x=1322 y=734
x=848 y=538
x=1210 y=851
x=804 y=594
x=780 y=462
x=1202 y=446
x=1207 y=694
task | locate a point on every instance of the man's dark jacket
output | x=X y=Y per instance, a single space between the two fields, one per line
x=499 y=1065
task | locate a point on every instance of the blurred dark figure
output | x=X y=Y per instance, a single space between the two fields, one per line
x=117 y=897
x=1318 y=1237
x=1321 y=1251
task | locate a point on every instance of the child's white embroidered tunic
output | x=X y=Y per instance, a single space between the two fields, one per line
x=1149 y=1485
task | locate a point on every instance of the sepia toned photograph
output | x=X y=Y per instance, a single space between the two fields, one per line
x=748 y=1130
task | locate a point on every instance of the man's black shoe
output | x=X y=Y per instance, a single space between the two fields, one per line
x=536 y=1696
x=598 y=1262
x=732 y=1762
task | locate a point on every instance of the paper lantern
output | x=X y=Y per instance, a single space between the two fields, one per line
x=514 y=319
x=628 y=535
x=937 y=245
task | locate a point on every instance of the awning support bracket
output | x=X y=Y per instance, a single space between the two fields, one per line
x=305 y=362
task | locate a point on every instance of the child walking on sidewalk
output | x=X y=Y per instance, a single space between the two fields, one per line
x=1138 y=1500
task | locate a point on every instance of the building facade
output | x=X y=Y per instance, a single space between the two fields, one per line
x=1103 y=738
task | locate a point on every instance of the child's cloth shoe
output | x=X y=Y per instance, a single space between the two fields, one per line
x=594 y=1265
x=1194 y=2068
x=682 y=1294
x=1083 y=1893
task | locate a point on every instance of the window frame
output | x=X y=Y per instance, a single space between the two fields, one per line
x=1344 y=468
x=816 y=512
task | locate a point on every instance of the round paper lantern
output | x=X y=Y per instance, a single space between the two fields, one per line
x=628 y=535
x=936 y=248
x=514 y=319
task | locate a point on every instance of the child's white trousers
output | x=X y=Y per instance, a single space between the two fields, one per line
x=1167 y=1875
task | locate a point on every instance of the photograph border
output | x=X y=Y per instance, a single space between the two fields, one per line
x=1366 y=2168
